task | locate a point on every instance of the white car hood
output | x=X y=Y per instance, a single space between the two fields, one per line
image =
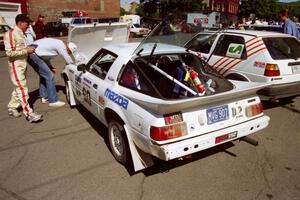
x=90 y=38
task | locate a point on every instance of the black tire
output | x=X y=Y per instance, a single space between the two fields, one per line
x=118 y=142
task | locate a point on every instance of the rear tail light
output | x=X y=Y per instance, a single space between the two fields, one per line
x=253 y=110
x=168 y=132
x=272 y=70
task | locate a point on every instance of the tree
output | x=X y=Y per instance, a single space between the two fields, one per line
x=181 y=6
x=123 y=12
x=149 y=7
x=267 y=9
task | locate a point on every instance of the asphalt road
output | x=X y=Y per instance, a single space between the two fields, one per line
x=66 y=157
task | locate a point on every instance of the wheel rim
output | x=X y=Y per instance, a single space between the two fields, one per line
x=117 y=140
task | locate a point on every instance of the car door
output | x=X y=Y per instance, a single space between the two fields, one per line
x=94 y=83
x=228 y=53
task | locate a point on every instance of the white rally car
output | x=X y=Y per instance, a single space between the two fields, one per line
x=156 y=99
x=256 y=56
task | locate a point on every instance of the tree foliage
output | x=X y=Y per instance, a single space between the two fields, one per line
x=264 y=9
x=151 y=7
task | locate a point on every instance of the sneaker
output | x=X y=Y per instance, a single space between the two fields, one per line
x=57 y=104
x=44 y=100
x=14 y=112
x=34 y=117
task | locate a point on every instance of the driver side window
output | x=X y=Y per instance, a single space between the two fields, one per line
x=102 y=64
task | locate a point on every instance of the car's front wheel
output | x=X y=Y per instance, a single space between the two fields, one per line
x=118 y=142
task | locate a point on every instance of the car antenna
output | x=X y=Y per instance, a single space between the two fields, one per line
x=152 y=52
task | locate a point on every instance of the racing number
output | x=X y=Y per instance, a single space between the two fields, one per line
x=86 y=96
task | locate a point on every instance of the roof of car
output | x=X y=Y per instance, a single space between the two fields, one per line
x=256 y=33
x=129 y=48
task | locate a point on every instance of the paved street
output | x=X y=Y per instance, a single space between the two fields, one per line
x=67 y=157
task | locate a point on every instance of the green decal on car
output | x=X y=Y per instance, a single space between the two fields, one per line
x=235 y=50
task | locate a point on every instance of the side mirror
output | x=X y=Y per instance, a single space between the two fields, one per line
x=81 y=68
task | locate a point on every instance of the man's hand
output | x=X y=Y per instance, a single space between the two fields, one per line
x=30 y=50
x=54 y=70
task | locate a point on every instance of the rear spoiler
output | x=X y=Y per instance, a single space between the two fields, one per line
x=161 y=106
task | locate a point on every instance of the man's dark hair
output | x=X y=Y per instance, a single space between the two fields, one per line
x=284 y=13
x=22 y=18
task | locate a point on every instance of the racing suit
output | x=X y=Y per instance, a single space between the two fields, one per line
x=16 y=50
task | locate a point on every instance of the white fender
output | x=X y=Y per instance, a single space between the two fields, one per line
x=73 y=101
x=140 y=159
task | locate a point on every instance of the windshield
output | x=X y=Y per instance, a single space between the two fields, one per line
x=283 y=48
x=178 y=30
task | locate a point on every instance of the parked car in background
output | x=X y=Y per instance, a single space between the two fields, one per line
x=56 y=29
x=137 y=31
x=156 y=98
x=3 y=28
x=253 y=56
x=80 y=20
x=188 y=28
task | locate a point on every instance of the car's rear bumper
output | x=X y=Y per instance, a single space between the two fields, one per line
x=199 y=143
x=281 y=90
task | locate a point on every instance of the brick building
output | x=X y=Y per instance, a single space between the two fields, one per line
x=53 y=9
x=229 y=9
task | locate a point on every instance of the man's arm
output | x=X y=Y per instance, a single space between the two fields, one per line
x=10 y=46
x=64 y=53
x=288 y=29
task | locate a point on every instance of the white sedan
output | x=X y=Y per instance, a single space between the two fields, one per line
x=255 y=56
x=156 y=99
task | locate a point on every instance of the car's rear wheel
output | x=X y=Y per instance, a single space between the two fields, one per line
x=118 y=142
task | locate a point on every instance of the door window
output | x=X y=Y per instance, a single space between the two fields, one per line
x=134 y=79
x=102 y=64
x=225 y=42
x=202 y=43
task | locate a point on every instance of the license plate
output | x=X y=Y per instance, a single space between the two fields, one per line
x=217 y=114
x=296 y=69
x=225 y=137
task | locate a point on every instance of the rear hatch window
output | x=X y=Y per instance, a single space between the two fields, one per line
x=281 y=48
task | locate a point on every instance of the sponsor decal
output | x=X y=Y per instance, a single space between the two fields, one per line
x=71 y=71
x=259 y=64
x=86 y=96
x=173 y=118
x=192 y=127
x=116 y=98
x=87 y=81
x=77 y=80
x=101 y=100
x=235 y=50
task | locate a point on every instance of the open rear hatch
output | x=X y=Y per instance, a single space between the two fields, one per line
x=85 y=40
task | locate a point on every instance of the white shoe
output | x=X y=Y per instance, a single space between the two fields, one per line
x=44 y=100
x=34 y=117
x=14 y=112
x=57 y=104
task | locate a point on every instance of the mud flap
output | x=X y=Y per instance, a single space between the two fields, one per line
x=140 y=159
x=72 y=97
